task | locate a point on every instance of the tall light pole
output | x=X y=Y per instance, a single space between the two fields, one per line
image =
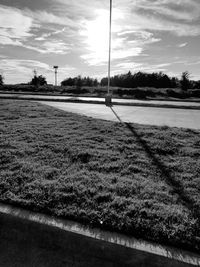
x=56 y=70
x=108 y=97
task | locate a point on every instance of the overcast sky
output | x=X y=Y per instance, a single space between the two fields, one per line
x=148 y=35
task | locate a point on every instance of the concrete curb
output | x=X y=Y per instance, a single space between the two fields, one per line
x=78 y=245
x=74 y=100
x=96 y=96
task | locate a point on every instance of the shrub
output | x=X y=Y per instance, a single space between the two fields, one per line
x=38 y=80
x=185 y=82
x=1 y=79
x=195 y=93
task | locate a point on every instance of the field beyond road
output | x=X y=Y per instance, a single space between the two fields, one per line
x=136 y=179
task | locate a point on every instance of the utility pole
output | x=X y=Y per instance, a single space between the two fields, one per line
x=56 y=70
x=108 y=99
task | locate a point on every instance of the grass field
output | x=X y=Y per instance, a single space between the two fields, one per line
x=140 y=180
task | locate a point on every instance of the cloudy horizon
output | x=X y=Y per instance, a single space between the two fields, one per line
x=147 y=35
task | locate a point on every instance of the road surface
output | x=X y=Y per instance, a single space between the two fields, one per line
x=33 y=239
x=172 y=117
x=100 y=99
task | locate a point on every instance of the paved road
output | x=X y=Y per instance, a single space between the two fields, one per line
x=144 y=115
x=99 y=99
x=33 y=239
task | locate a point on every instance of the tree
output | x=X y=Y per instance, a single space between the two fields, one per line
x=1 y=79
x=174 y=82
x=79 y=83
x=95 y=82
x=68 y=82
x=196 y=84
x=185 y=82
x=38 y=80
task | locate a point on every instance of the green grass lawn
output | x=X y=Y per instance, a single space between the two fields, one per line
x=140 y=180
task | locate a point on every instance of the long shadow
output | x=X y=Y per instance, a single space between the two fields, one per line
x=116 y=115
x=165 y=172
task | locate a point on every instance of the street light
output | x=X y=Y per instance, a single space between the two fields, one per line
x=108 y=99
x=56 y=70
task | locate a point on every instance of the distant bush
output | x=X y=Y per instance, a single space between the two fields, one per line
x=74 y=90
x=178 y=94
x=195 y=93
x=137 y=93
x=1 y=79
x=18 y=87
x=100 y=91
x=195 y=84
x=173 y=93
x=38 y=80
x=27 y=88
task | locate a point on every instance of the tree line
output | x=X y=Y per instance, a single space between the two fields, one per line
x=127 y=80
x=155 y=79
x=80 y=81
x=138 y=79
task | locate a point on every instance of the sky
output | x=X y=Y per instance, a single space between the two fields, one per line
x=147 y=35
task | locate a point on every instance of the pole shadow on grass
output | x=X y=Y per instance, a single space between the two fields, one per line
x=165 y=172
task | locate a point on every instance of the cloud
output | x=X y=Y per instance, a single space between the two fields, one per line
x=128 y=65
x=193 y=63
x=13 y=23
x=66 y=69
x=139 y=38
x=57 y=47
x=182 y=45
x=44 y=17
x=153 y=23
x=78 y=10
x=14 y=26
x=166 y=15
x=4 y=40
x=178 y=10
x=94 y=59
x=52 y=46
x=22 y=64
x=47 y=35
x=18 y=27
